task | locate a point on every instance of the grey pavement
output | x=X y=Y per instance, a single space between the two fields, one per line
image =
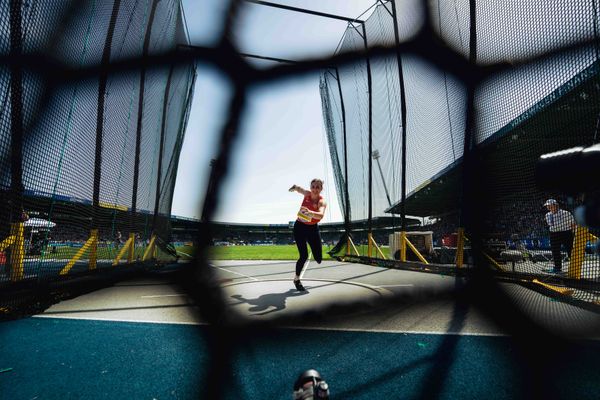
x=263 y=290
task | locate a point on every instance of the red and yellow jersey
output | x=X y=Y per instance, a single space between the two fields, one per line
x=311 y=205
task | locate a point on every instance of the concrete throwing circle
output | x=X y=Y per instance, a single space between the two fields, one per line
x=274 y=298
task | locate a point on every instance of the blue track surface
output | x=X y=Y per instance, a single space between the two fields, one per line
x=53 y=358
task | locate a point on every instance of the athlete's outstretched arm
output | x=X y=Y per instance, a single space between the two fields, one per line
x=300 y=190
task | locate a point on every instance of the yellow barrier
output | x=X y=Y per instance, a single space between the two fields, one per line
x=403 y=246
x=374 y=243
x=128 y=248
x=582 y=236
x=17 y=252
x=150 y=250
x=462 y=238
x=93 y=249
x=494 y=262
x=351 y=243
x=92 y=244
x=131 y=241
x=460 y=247
x=7 y=242
x=563 y=291
x=414 y=250
x=404 y=243
x=16 y=242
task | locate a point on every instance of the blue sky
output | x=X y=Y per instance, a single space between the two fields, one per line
x=282 y=138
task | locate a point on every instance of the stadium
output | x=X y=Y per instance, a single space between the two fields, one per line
x=452 y=134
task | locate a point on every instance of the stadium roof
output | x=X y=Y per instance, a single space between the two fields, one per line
x=191 y=225
x=565 y=118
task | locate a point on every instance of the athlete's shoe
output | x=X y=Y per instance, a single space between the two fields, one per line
x=298 y=285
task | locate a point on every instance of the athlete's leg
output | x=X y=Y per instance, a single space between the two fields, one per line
x=300 y=238
x=314 y=240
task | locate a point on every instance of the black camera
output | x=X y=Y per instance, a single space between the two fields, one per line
x=574 y=172
x=310 y=385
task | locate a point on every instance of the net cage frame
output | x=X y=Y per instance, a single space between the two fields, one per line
x=106 y=69
x=226 y=336
x=461 y=168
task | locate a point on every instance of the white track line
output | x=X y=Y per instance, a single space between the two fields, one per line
x=307 y=328
x=237 y=273
x=399 y=285
x=305 y=267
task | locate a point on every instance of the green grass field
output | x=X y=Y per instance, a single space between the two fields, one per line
x=275 y=252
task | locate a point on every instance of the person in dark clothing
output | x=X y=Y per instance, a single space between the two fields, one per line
x=306 y=229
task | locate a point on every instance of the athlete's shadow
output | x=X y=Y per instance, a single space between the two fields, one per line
x=262 y=303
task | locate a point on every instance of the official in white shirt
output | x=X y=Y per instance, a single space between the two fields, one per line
x=561 y=224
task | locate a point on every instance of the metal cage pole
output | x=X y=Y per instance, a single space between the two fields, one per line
x=403 y=116
x=162 y=144
x=346 y=192
x=468 y=206
x=93 y=240
x=17 y=253
x=138 y=137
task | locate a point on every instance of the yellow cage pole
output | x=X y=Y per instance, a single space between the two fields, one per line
x=557 y=289
x=93 y=249
x=417 y=253
x=369 y=244
x=494 y=262
x=353 y=246
x=460 y=246
x=7 y=242
x=464 y=239
x=582 y=236
x=403 y=246
x=150 y=250
x=77 y=256
x=126 y=247
x=18 y=252
x=131 y=248
x=377 y=248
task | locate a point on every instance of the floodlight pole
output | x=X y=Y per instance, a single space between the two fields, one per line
x=369 y=86
x=375 y=154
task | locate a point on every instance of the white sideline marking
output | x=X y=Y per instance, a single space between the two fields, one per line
x=399 y=285
x=237 y=273
x=305 y=267
x=314 y=328
x=163 y=295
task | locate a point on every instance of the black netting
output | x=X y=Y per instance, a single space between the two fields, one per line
x=530 y=109
x=68 y=147
x=436 y=118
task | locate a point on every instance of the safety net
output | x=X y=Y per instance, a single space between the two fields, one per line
x=89 y=140
x=397 y=131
